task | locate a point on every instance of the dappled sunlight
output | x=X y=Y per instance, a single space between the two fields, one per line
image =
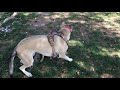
x=106 y=75
x=82 y=64
x=56 y=16
x=77 y=21
x=75 y=43
x=108 y=25
x=111 y=25
x=63 y=73
x=47 y=17
x=107 y=52
x=110 y=52
x=60 y=15
x=115 y=53
x=39 y=21
x=92 y=68
x=104 y=51
x=97 y=17
x=26 y=14
x=94 y=43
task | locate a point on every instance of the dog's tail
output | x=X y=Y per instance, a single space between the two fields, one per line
x=11 y=64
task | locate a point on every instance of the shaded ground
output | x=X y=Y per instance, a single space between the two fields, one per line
x=94 y=44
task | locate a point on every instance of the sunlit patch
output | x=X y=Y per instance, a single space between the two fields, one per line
x=81 y=64
x=92 y=68
x=109 y=22
x=26 y=14
x=63 y=73
x=46 y=17
x=77 y=21
x=106 y=75
x=115 y=53
x=85 y=66
x=66 y=14
x=55 y=16
x=75 y=43
x=104 y=51
x=108 y=52
x=60 y=15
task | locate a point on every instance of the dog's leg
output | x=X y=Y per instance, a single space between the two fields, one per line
x=42 y=58
x=27 y=61
x=22 y=68
x=65 y=57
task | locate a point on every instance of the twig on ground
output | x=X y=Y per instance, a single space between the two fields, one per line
x=9 y=18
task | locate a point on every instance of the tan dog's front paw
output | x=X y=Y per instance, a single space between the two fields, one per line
x=28 y=74
x=70 y=59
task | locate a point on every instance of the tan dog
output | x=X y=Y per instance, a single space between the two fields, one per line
x=27 y=48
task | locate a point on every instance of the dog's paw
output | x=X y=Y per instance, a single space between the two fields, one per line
x=29 y=74
x=70 y=59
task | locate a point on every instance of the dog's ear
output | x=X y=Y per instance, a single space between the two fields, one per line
x=64 y=24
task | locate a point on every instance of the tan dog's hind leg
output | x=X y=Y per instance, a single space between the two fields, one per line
x=42 y=58
x=22 y=68
x=65 y=57
x=27 y=61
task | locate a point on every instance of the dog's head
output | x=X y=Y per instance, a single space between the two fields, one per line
x=67 y=27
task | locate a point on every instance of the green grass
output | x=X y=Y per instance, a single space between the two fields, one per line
x=93 y=53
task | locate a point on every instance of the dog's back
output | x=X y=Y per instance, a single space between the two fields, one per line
x=40 y=44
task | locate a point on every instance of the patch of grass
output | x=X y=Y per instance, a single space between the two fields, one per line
x=73 y=15
x=110 y=14
x=4 y=15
